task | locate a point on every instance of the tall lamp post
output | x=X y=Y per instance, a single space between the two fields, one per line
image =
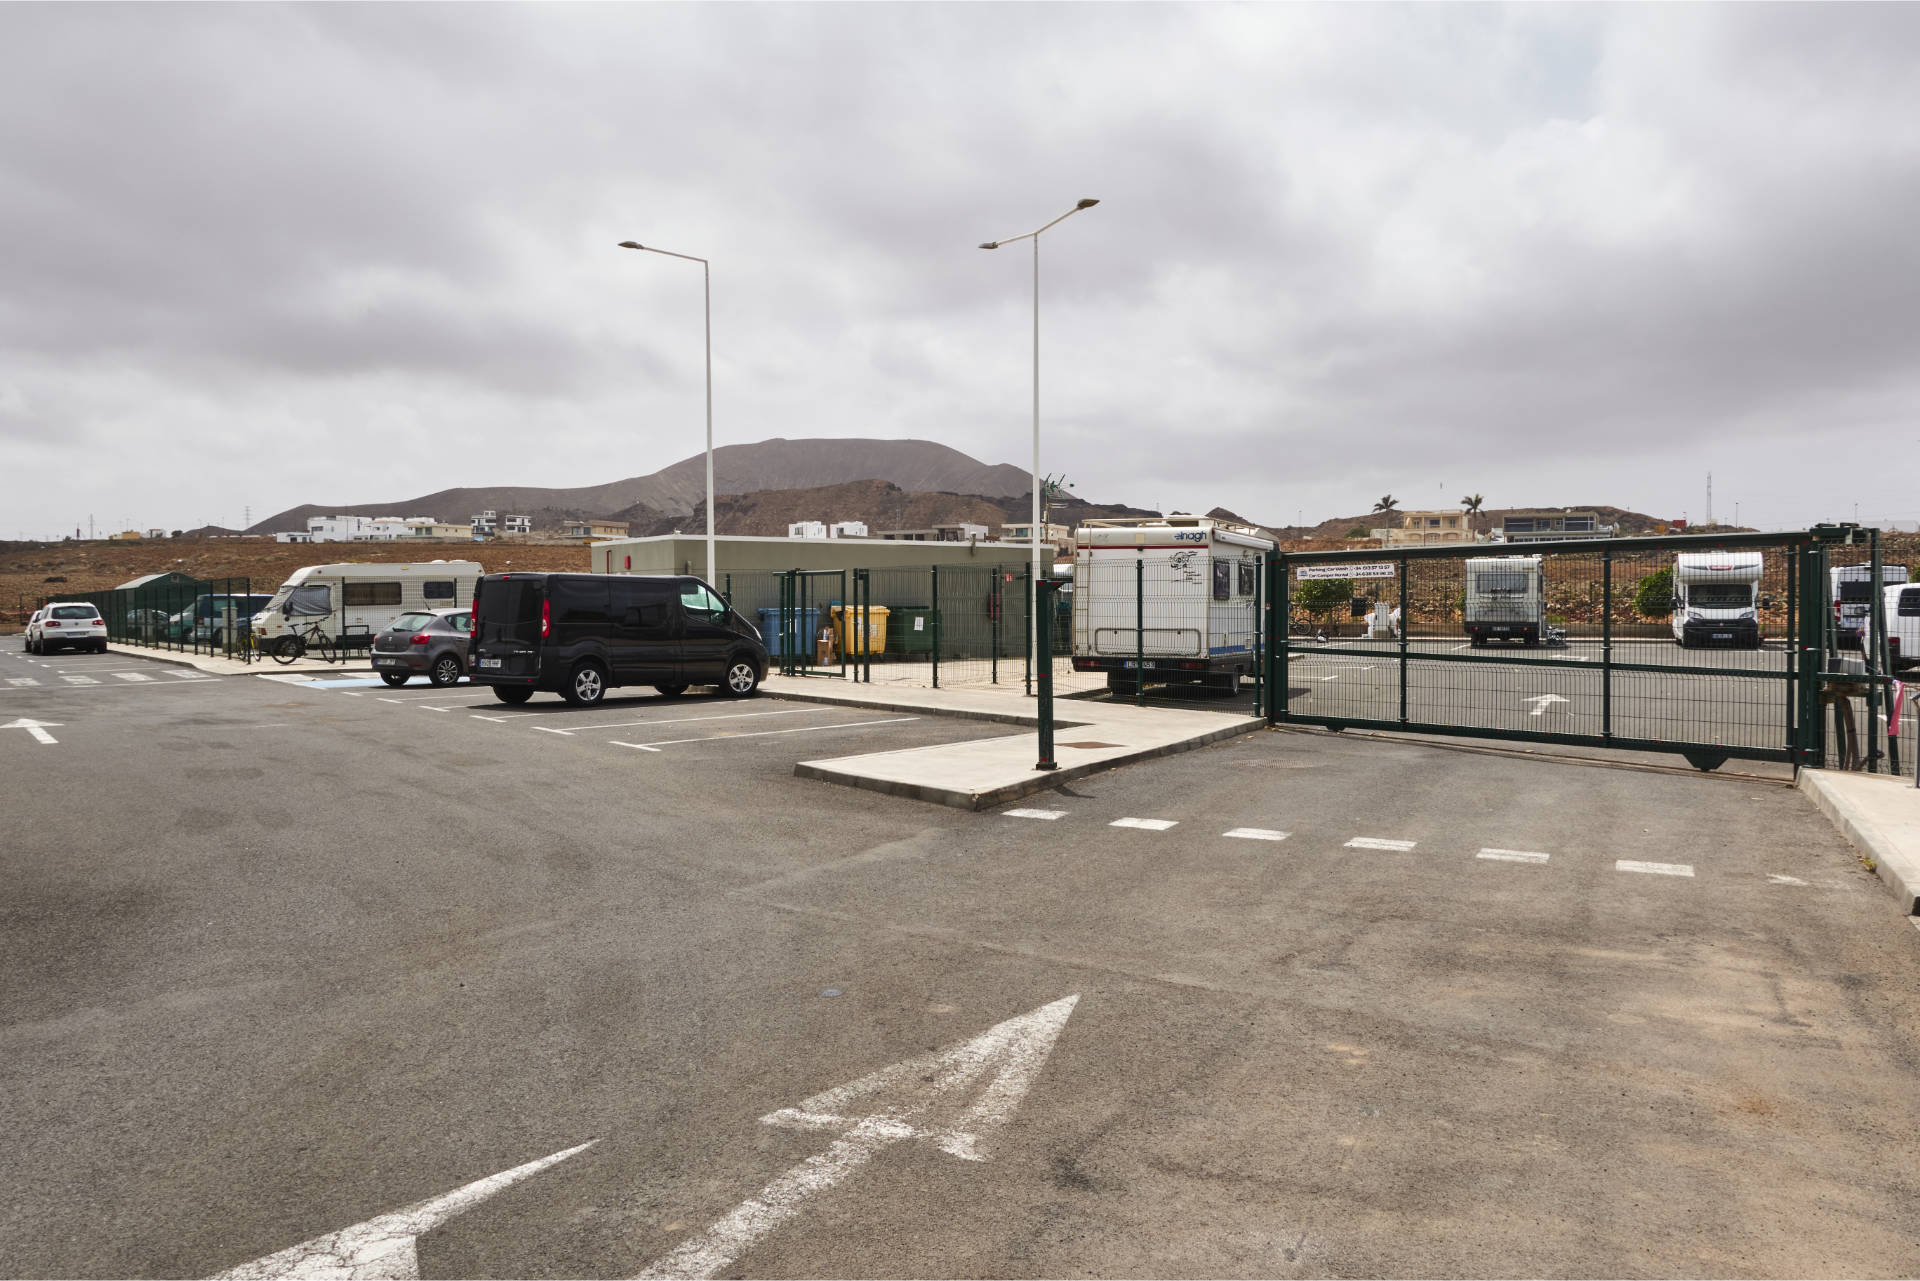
x=1034 y=236
x=706 y=279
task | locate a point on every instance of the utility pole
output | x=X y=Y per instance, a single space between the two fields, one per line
x=89 y=526
x=1709 y=498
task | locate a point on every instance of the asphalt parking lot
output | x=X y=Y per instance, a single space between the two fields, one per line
x=288 y=958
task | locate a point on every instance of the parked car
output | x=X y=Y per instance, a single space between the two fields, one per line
x=147 y=624
x=26 y=636
x=579 y=634
x=429 y=643
x=66 y=625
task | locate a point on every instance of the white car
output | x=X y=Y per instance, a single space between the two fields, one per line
x=66 y=625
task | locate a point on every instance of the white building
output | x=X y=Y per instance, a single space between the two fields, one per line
x=807 y=529
x=847 y=529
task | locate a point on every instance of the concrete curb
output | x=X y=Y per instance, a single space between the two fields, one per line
x=1895 y=862
x=1026 y=719
x=224 y=666
x=1037 y=782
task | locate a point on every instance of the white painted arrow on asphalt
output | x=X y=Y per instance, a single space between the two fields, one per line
x=384 y=1247
x=36 y=728
x=1541 y=702
x=1007 y=1056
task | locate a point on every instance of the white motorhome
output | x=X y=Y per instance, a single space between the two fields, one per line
x=355 y=599
x=1716 y=599
x=1902 y=603
x=1195 y=579
x=1850 y=593
x=1505 y=600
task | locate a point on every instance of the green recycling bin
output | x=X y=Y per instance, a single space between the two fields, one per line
x=910 y=630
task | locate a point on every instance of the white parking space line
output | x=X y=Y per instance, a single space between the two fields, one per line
x=683 y=720
x=1046 y=815
x=1513 y=856
x=436 y=709
x=763 y=733
x=1145 y=824
x=1653 y=869
x=1380 y=843
x=22 y=680
x=79 y=680
x=1256 y=834
x=497 y=720
x=132 y=676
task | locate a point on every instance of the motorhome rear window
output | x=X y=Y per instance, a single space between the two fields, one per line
x=1503 y=583
x=370 y=593
x=1910 y=603
x=437 y=589
x=1720 y=595
x=1855 y=590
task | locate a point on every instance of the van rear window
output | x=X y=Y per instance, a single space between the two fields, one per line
x=509 y=609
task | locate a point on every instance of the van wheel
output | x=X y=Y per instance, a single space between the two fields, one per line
x=671 y=691
x=395 y=679
x=512 y=694
x=446 y=670
x=742 y=678
x=587 y=685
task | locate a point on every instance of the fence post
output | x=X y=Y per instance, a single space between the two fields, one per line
x=996 y=605
x=1259 y=636
x=1026 y=630
x=1140 y=631
x=935 y=574
x=1403 y=639
x=1043 y=590
x=1606 y=643
x=1870 y=652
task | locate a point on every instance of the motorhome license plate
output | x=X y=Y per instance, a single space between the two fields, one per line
x=490 y=662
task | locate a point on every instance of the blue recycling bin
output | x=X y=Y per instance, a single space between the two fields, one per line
x=777 y=642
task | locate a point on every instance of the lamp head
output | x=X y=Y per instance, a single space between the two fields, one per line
x=1088 y=203
x=631 y=244
x=991 y=244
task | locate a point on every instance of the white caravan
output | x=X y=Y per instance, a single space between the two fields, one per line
x=1196 y=580
x=355 y=599
x=1850 y=592
x=1716 y=599
x=1505 y=600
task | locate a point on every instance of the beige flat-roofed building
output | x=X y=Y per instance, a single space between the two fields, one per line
x=1428 y=527
x=687 y=554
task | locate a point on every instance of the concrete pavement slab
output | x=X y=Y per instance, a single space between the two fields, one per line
x=1880 y=814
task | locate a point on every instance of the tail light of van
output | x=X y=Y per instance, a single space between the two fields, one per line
x=546 y=619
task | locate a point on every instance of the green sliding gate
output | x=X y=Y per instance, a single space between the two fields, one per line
x=1629 y=643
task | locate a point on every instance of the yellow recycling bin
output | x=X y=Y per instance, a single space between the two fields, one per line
x=846 y=626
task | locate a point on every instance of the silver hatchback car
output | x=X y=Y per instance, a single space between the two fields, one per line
x=429 y=643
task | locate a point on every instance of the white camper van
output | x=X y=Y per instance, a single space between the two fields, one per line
x=354 y=599
x=1903 y=624
x=1716 y=599
x=1505 y=600
x=1201 y=579
x=1850 y=592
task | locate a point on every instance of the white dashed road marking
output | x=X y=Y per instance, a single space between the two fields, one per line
x=1048 y=815
x=22 y=680
x=1513 y=856
x=1256 y=834
x=1653 y=869
x=79 y=680
x=1380 y=843
x=1145 y=824
x=133 y=676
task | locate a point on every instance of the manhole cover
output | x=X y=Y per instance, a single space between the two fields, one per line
x=1093 y=744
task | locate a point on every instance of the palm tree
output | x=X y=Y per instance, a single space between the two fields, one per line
x=1386 y=504
x=1473 y=503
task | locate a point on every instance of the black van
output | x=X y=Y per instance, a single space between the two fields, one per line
x=578 y=634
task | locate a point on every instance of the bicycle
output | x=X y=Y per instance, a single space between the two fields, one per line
x=296 y=643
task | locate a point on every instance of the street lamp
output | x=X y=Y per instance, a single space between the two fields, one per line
x=1034 y=236
x=706 y=278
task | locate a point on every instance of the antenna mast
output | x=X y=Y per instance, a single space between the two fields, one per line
x=1709 y=498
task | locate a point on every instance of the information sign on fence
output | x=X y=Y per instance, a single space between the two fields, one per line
x=1306 y=572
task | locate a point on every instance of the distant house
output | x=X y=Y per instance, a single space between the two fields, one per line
x=1428 y=527
x=1021 y=531
x=595 y=529
x=1547 y=526
x=847 y=529
x=490 y=524
x=962 y=532
x=807 y=529
x=428 y=527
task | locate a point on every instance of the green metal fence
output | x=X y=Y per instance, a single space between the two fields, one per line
x=936 y=625
x=211 y=616
x=1622 y=643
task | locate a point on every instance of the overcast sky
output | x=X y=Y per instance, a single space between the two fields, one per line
x=257 y=256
